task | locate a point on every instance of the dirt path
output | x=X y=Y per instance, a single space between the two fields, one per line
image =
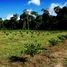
x=60 y=54
x=51 y=57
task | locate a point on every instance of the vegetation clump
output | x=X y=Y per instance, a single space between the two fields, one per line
x=53 y=41
x=62 y=37
x=33 y=49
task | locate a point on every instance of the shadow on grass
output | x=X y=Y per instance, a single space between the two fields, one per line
x=17 y=59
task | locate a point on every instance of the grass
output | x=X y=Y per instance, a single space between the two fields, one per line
x=12 y=41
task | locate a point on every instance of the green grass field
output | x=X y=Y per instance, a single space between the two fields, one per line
x=12 y=41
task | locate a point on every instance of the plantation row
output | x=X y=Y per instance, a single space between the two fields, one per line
x=33 y=49
x=21 y=45
x=33 y=20
x=18 y=42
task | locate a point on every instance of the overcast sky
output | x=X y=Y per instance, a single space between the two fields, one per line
x=10 y=7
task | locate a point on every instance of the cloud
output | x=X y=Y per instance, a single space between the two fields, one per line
x=36 y=2
x=51 y=8
x=18 y=18
x=29 y=11
x=9 y=16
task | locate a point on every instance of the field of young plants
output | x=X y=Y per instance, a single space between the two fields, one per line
x=15 y=43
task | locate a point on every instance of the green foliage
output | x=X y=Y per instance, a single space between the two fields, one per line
x=35 y=21
x=62 y=37
x=7 y=34
x=26 y=32
x=13 y=44
x=33 y=49
x=53 y=42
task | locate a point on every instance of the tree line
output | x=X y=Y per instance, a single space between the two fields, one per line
x=35 y=21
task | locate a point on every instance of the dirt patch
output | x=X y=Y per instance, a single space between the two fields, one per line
x=59 y=65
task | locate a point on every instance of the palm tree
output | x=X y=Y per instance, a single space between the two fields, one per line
x=24 y=18
x=38 y=21
x=1 y=23
x=57 y=9
x=45 y=18
x=13 y=21
x=45 y=15
x=34 y=13
x=27 y=17
x=32 y=19
x=64 y=11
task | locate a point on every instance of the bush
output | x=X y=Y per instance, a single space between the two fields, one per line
x=27 y=32
x=32 y=49
x=62 y=37
x=7 y=34
x=65 y=36
x=53 y=42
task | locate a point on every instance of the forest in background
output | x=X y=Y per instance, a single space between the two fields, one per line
x=35 y=21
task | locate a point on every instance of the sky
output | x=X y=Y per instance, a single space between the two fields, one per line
x=10 y=7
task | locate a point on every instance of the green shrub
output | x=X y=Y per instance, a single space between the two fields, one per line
x=65 y=36
x=7 y=34
x=54 y=42
x=32 y=32
x=27 y=32
x=62 y=37
x=31 y=36
x=4 y=32
x=32 y=49
x=15 y=34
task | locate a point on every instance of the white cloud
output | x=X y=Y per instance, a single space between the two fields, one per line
x=51 y=8
x=29 y=11
x=9 y=16
x=18 y=18
x=3 y=18
x=36 y=2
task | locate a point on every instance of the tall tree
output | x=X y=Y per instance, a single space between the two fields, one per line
x=45 y=18
x=25 y=19
x=1 y=23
